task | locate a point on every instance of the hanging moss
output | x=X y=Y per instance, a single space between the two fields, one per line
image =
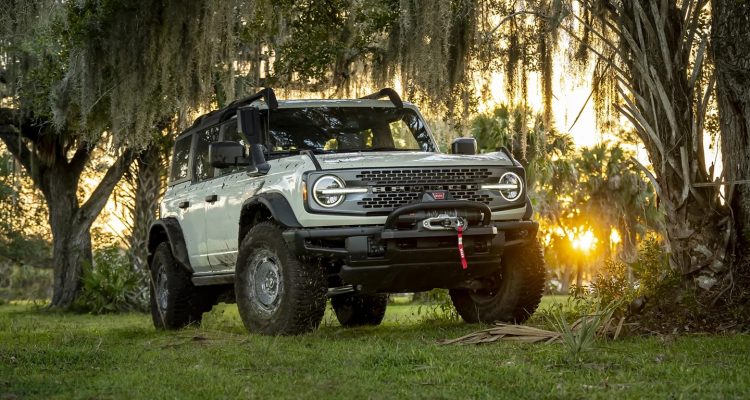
x=158 y=58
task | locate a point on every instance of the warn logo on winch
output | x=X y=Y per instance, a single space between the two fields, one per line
x=430 y=195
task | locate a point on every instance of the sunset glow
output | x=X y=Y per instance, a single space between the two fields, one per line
x=584 y=241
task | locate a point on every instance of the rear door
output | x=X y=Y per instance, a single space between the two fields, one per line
x=203 y=177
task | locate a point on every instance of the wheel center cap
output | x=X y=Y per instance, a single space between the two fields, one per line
x=267 y=281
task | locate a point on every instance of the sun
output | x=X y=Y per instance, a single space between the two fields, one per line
x=584 y=241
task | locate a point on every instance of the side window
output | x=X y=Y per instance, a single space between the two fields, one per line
x=180 y=158
x=229 y=134
x=203 y=169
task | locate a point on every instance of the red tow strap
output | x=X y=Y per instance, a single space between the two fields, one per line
x=464 y=264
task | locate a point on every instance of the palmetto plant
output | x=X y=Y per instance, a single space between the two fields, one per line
x=581 y=336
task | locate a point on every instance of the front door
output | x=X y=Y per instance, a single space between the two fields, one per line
x=223 y=213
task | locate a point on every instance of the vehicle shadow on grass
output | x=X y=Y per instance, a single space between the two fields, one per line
x=401 y=322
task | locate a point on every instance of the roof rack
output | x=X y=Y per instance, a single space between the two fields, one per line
x=386 y=92
x=225 y=113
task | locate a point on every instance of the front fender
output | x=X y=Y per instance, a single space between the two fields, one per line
x=168 y=229
x=277 y=205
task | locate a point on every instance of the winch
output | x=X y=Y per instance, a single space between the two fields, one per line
x=440 y=220
x=445 y=221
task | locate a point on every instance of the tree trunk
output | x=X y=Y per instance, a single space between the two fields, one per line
x=71 y=243
x=150 y=170
x=566 y=276
x=71 y=240
x=666 y=103
x=730 y=32
x=71 y=250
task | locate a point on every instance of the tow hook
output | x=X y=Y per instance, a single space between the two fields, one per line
x=444 y=222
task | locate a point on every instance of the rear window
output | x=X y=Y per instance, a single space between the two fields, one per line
x=229 y=133
x=180 y=158
x=203 y=168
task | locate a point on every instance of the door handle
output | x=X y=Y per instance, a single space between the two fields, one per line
x=211 y=198
x=184 y=204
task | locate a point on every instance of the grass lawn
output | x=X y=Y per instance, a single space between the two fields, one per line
x=47 y=355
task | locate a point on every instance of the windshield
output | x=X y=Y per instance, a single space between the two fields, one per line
x=345 y=129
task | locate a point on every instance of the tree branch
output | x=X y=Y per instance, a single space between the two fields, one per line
x=19 y=150
x=513 y=15
x=95 y=203
x=79 y=160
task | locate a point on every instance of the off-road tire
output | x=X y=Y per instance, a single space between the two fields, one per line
x=300 y=301
x=355 y=309
x=184 y=306
x=517 y=291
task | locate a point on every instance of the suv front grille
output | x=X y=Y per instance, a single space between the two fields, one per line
x=393 y=188
x=424 y=176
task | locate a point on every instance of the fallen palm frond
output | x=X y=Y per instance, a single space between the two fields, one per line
x=580 y=334
x=509 y=332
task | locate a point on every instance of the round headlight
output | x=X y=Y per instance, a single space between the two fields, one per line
x=328 y=199
x=515 y=186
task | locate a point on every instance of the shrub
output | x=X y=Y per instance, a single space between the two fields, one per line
x=648 y=276
x=24 y=282
x=612 y=283
x=437 y=306
x=111 y=284
x=651 y=268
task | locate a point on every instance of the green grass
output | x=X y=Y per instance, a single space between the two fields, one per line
x=48 y=355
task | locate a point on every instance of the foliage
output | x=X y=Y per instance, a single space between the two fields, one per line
x=23 y=239
x=613 y=193
x=612 y=283
x=631 y=284
x=111 y=284
x=24 y=282
x=651 y=268
x=436 y=305
x=581 y=336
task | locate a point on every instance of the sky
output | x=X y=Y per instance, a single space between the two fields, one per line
x=569 y=96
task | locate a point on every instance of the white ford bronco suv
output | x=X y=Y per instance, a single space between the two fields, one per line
x=279 y=205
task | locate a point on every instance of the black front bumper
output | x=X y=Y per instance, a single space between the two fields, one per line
x=386 y=259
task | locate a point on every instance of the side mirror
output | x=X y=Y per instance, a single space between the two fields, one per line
x=227 y=154
x=464 y=145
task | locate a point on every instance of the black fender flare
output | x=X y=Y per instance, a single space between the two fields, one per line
x=529 y=210
x=168 y=229
x=276 y=204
